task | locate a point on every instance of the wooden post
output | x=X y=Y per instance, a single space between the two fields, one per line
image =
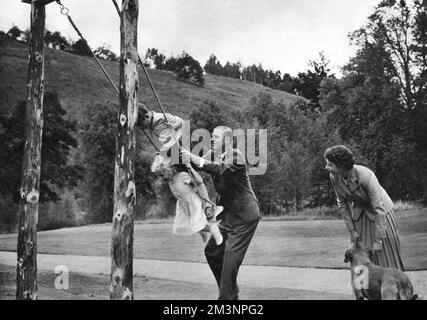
x=26 y=269
x=121 y=287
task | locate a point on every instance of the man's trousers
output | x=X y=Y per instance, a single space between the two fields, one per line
x=225 y=259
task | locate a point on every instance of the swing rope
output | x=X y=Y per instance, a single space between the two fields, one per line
x=65 y=11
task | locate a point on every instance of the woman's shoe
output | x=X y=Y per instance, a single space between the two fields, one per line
x=218 y=210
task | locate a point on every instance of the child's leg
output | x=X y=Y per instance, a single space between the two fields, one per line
x=213 y=228
x=196 y=176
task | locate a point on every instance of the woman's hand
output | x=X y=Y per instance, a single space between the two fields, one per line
x=354 y=236
x=378 y=245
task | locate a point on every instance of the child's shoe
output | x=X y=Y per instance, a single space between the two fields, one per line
x=213 y=228
x=213 y=211
x=218 y=210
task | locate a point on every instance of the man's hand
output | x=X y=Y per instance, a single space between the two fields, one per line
x=185 y=156
x=174 y=123
x=169 y=125
x=354 y=236
x=378 y=245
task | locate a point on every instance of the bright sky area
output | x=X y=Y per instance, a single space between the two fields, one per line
x=280 y=34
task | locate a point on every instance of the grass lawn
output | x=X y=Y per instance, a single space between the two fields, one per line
x=313 y=243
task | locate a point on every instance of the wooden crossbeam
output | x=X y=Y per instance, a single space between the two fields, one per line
x=39 y=2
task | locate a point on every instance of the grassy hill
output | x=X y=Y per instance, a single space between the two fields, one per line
x=80 y=83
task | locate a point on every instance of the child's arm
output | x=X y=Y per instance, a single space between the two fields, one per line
x=173 y=122
x=197 y=177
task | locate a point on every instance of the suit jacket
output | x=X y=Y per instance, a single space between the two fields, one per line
x=363 y=193
x=231 y=180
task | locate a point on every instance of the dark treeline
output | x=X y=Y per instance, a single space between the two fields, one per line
x=255 y=73
x=57 y=41
x=306 y=84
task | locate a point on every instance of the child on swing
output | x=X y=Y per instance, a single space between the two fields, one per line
x=195 y=212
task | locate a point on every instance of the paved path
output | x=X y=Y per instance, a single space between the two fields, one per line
x=329 y=280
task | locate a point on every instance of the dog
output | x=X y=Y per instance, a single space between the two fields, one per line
x=373 y=282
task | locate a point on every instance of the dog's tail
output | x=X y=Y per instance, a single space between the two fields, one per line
x=406 y=291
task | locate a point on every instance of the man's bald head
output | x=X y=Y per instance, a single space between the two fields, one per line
x=224 y=130
x=222 y=139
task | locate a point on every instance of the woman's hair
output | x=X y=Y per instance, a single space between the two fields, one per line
x=341 y=156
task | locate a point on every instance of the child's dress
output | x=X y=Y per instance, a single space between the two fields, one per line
x=190 y=217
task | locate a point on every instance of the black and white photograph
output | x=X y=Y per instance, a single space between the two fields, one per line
x=204 y=150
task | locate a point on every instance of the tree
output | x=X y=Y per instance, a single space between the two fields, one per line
x=207 y=116
x=105 y=53
x=26 y=35
x=213 y=66
x=187 y=68
x=157 y=58
x=288 y=83
x=261 y=109
x=399 y=29
x=232 y=70
x=57 y=143
x=57 y=41
x=15 y=33
x=80 y=47
x=170 y=64
x=307 y=84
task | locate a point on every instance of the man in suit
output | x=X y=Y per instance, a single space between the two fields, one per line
x=241 y=214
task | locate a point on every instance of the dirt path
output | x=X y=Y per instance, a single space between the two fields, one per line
x=313 y=279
